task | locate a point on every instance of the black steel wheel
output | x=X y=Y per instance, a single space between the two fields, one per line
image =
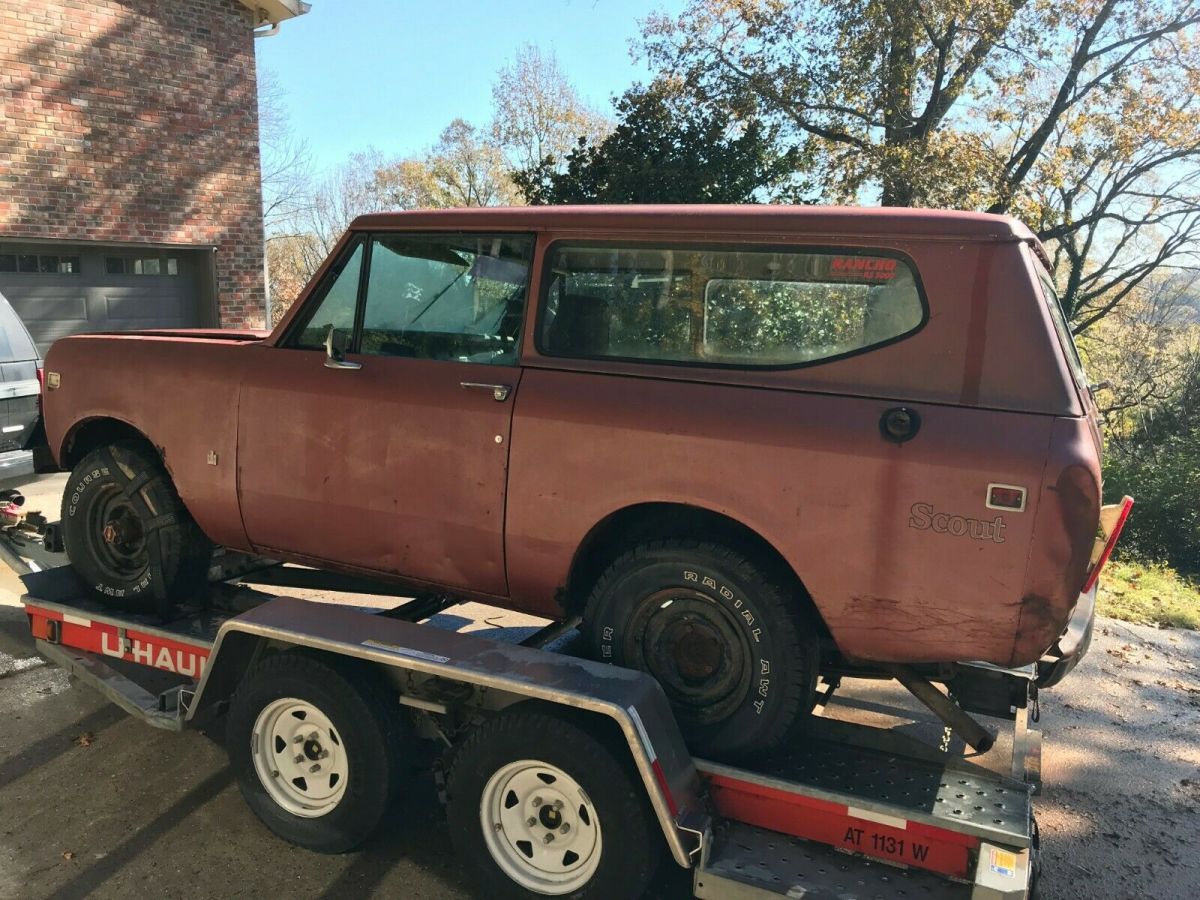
x=127 y=533
x=735 y=653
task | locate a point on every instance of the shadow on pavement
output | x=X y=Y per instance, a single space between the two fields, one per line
x=87 y=881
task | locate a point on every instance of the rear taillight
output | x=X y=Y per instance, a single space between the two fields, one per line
x=41 y=377
x=1112 y=522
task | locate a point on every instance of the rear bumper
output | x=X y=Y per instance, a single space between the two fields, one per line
x=1071 y=645
x=16 y=466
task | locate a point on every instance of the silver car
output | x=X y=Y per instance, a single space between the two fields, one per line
x=20 y=393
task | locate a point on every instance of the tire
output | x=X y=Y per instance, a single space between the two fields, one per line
x=127 y=533
x=734 y=652
x=520 y=757
x=353 y=720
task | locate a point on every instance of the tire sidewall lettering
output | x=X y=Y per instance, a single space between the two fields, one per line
x=77 y=491
x=747 y=617
x=78 y=494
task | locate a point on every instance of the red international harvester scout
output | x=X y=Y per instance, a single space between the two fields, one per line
x=746 y=444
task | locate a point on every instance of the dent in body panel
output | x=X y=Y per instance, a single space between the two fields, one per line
x=1064 y=534
x=940 y=630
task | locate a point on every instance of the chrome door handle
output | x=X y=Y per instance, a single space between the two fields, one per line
x=500 y=392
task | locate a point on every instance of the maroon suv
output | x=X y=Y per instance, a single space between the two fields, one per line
x=743 y=442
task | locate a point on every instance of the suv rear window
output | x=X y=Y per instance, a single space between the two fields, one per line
x=15 y=343
x=722 y=307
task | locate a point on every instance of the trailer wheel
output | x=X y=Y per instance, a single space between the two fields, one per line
x=316 y=749
x=128 y=534
x=538 y=807
x=733 y=650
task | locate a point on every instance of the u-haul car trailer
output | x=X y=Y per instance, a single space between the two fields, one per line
x=566 y=776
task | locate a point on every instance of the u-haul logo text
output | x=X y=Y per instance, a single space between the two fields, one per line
x=169 y=659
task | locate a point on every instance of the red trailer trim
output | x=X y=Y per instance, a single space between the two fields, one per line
x=839 y=825
x=142 y=647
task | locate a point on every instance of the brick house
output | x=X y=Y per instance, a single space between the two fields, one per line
x=129 y=163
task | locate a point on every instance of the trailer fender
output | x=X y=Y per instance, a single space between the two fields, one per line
x=496 y=674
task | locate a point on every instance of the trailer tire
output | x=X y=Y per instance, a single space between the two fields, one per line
x=127 y=533
x=356 y=725
x=733 y=649
x=612 y=844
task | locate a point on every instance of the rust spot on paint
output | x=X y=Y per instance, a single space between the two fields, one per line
x=1040 y=616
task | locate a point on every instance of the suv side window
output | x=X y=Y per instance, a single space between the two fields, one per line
x=446 y=296
x=718 y=307
x=335 y=308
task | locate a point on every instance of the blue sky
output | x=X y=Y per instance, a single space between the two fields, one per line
x=393 y=73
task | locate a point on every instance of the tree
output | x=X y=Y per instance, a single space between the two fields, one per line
x=464 y=168
x=1145 y=351
x=291 y=261
x=664 y=150
x=285 y=159
x=537 y=112
x=1081 y=115
x=349 y=190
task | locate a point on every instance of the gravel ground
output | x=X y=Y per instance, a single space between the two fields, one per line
x=93 y=803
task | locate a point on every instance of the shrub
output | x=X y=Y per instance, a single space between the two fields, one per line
x=1164 y=479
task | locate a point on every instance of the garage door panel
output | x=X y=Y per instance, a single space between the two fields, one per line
x=144 y=305
x=36 y=306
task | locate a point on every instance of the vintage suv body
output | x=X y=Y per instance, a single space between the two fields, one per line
x=738 y=440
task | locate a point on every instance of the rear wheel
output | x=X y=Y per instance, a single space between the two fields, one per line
x=540 y=808
x=734 y=654
x=128 y=534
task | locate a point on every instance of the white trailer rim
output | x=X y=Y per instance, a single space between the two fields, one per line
x=540 y=827
x=299 y=758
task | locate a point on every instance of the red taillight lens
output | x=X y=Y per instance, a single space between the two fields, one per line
x=1006 y=496
x=1112 y=522
x=41 y=377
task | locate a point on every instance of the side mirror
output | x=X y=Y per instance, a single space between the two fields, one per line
x=335 y=357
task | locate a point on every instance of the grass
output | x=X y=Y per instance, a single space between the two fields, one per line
x=1149 y=594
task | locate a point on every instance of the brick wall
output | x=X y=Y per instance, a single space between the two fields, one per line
x=135 y=120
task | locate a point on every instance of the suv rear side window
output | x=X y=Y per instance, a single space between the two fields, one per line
x=721 y=307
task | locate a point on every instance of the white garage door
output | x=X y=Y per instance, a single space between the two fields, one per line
x=59 y=290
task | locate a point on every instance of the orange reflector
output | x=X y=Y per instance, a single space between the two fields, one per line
x=39 y=627
x=1112 y=522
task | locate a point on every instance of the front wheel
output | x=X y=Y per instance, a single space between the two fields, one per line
x=730 y=646
x=128 y=534
x=537 y=807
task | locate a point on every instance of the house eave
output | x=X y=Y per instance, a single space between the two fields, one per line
x=272 y=12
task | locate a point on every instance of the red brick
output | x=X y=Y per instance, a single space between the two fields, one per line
x=155 y=103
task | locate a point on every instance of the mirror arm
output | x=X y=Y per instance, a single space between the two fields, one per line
x=335 y=359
